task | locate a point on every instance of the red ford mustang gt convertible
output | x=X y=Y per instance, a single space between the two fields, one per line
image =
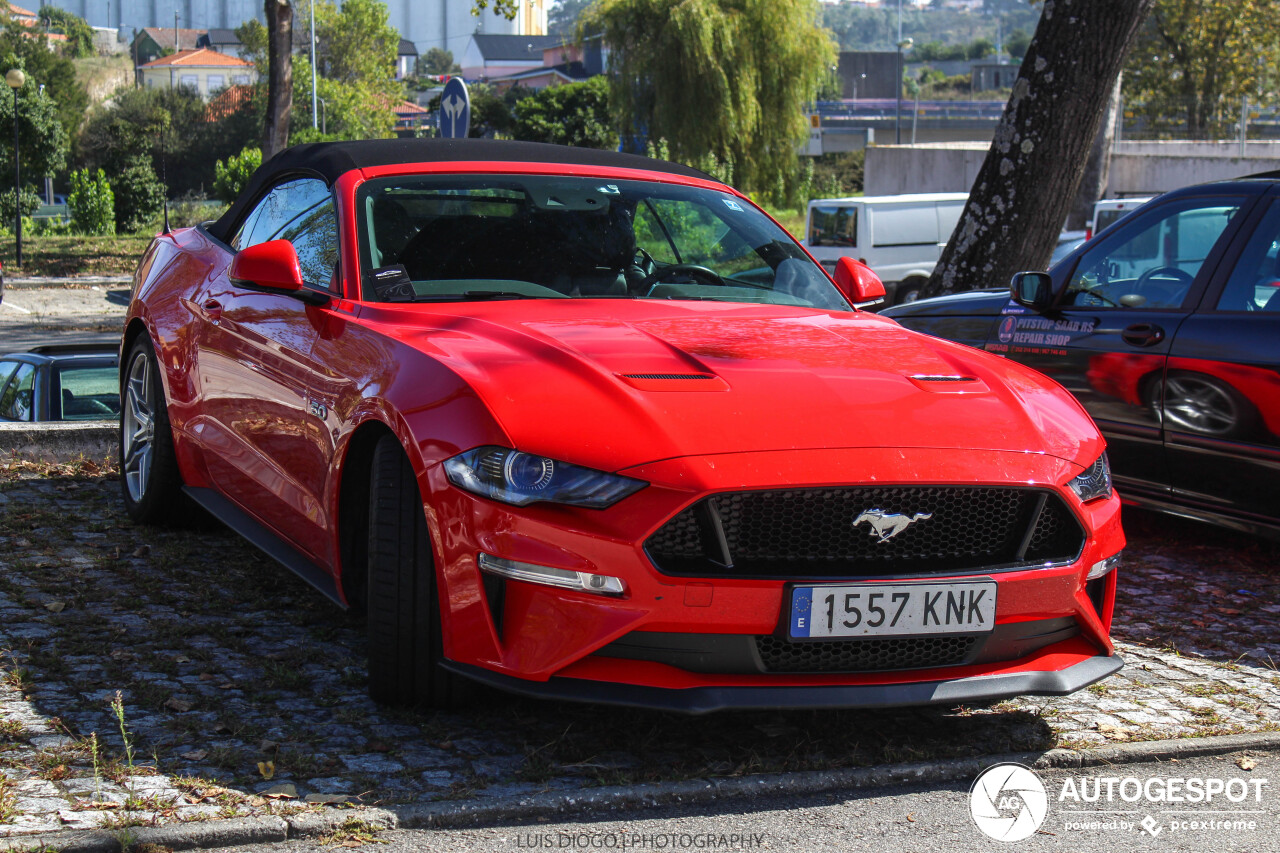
x=586 y=425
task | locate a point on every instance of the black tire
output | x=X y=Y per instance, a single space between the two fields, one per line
x=909 y=291
x=149 y=477
x=404 y=627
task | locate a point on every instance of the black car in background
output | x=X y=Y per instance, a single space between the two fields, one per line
x=70 y=382
x=1166 y=327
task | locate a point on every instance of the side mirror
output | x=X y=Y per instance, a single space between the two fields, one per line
x=858 y=283
x=272 y=267
x=1032 y=289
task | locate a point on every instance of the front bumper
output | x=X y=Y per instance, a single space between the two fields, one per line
x=980 y=689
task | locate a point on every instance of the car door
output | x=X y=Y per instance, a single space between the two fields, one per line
x=254 y=368
x=1221 y=397
x=18 y=393
x=1107 y=338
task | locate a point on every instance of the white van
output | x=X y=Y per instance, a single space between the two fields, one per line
x=1109 y=210
x=900 y=237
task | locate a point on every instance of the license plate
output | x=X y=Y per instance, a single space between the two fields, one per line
x=884 y=609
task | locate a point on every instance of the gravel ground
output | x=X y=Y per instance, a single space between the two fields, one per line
x=242 y=691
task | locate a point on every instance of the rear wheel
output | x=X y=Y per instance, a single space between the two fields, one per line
x=149 y=476
x=404 y=625
x=909 y=290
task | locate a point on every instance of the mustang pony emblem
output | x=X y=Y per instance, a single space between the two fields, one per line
x=886 y=525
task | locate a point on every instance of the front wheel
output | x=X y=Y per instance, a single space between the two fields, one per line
x=149 y=476
x=404 y=626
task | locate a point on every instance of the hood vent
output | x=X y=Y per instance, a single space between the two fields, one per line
x=669 y=375
x=925 y=377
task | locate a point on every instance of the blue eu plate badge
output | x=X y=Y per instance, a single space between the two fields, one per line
x=801 y=607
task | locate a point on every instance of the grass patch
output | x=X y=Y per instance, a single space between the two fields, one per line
x=74 y=254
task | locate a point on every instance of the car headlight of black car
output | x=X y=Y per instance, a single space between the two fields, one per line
x=522 y=478
x=1095 y=482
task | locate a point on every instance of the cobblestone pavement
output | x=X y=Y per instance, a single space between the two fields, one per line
x=242 y=691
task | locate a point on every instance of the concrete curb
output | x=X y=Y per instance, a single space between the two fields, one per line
x=515 y=810
x=59 y=441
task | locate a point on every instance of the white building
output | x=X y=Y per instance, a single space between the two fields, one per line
x=427 y=23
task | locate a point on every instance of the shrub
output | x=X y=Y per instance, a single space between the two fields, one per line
x=229 y=180
x=30 y=201
x=92 y=203
x=139 y=195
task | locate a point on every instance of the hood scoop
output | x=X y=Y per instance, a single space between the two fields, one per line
x=948 y=383
x=675 y=381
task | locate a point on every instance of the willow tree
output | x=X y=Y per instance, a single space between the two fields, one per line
x=1196 y=60
x=728 y=78
x=1025 y=187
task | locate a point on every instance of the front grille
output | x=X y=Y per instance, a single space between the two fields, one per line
x=811 y=533
x=866 y=655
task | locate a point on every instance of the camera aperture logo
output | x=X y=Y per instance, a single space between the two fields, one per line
x=1008 y=802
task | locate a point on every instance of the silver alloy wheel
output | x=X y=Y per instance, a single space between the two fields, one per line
x=1200 y=405
x=137 y=426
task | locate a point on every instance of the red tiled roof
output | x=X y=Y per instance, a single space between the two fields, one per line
x=202 y=58
x=231 y=100
x=409 y=108
x=20 y=12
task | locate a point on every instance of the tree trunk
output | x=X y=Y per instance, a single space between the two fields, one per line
x=275 y=131
x=1026 y=185
x=1098 y=170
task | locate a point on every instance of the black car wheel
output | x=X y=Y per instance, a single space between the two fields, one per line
x=1199 y=403
x=909 y=290
x=404 y=625
x=149 y=476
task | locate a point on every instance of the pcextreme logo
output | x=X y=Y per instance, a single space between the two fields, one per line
x=1008 y=802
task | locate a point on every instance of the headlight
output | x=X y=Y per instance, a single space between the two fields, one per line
x=521 y=478
x=1095 y=482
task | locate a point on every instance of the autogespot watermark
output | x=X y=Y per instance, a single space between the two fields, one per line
x=1009 y=802
x=640 y=841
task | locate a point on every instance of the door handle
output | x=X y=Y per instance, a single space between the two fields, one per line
x=212 y=310
x=1143 y=334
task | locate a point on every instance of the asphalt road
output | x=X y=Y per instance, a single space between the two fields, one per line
x=31 y=316
x=920 y=819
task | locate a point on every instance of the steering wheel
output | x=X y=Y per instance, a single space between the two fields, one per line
x=692 y=270
x=1178 y=275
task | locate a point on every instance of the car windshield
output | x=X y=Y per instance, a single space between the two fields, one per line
x=484 y=237
x=89 y=393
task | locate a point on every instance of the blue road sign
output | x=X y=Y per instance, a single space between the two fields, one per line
x=455 y=109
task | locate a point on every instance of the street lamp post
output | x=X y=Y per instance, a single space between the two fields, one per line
x=324 y=114
x=897 y=122
x=16 y=80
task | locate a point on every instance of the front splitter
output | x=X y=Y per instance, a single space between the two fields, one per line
x=980 y=689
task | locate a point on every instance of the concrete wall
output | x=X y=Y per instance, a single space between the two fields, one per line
x=1137 y=168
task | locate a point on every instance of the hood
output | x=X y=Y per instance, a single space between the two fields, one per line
x=616 y=383
x=967 y=304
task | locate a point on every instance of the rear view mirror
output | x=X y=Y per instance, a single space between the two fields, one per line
x=272 y=267
x=857 y=282
x=1032 y=289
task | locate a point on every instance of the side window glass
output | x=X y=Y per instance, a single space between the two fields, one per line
x=1151 y=262
x=6 y=370
x=1255 y=280
x=17 y=400
x=302 y=212
x=833 y=226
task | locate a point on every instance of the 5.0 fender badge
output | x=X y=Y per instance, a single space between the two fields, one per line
x=886 y=525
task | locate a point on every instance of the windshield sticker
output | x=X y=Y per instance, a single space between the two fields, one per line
x=609 y=189
x=1039 y=335
x=732 y=205
x=392 y=284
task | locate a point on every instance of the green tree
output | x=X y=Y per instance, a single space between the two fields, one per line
x=357 y=45
x=42 y=140
x=359 y=109
x=435 y=62
x=563 y=16
x=231 y=179
x=573 y=114
x=723 y=77
x=139 y=195
x=45 y=67
x=77 y=30
x=1196 y=59
x=92 y=203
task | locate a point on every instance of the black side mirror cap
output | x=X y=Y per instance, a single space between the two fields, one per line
x=1032 y=289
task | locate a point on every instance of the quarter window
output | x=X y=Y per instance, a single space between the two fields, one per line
x=1153 y=261
x=1255 y=280
x=302 y=212
x=17 y=400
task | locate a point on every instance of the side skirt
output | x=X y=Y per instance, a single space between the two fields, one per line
x=265 y=541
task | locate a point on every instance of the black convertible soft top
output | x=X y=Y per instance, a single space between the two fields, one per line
x=328 y=160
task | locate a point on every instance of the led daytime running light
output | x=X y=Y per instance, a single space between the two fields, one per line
x=546 y=575
x=1102 y=567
